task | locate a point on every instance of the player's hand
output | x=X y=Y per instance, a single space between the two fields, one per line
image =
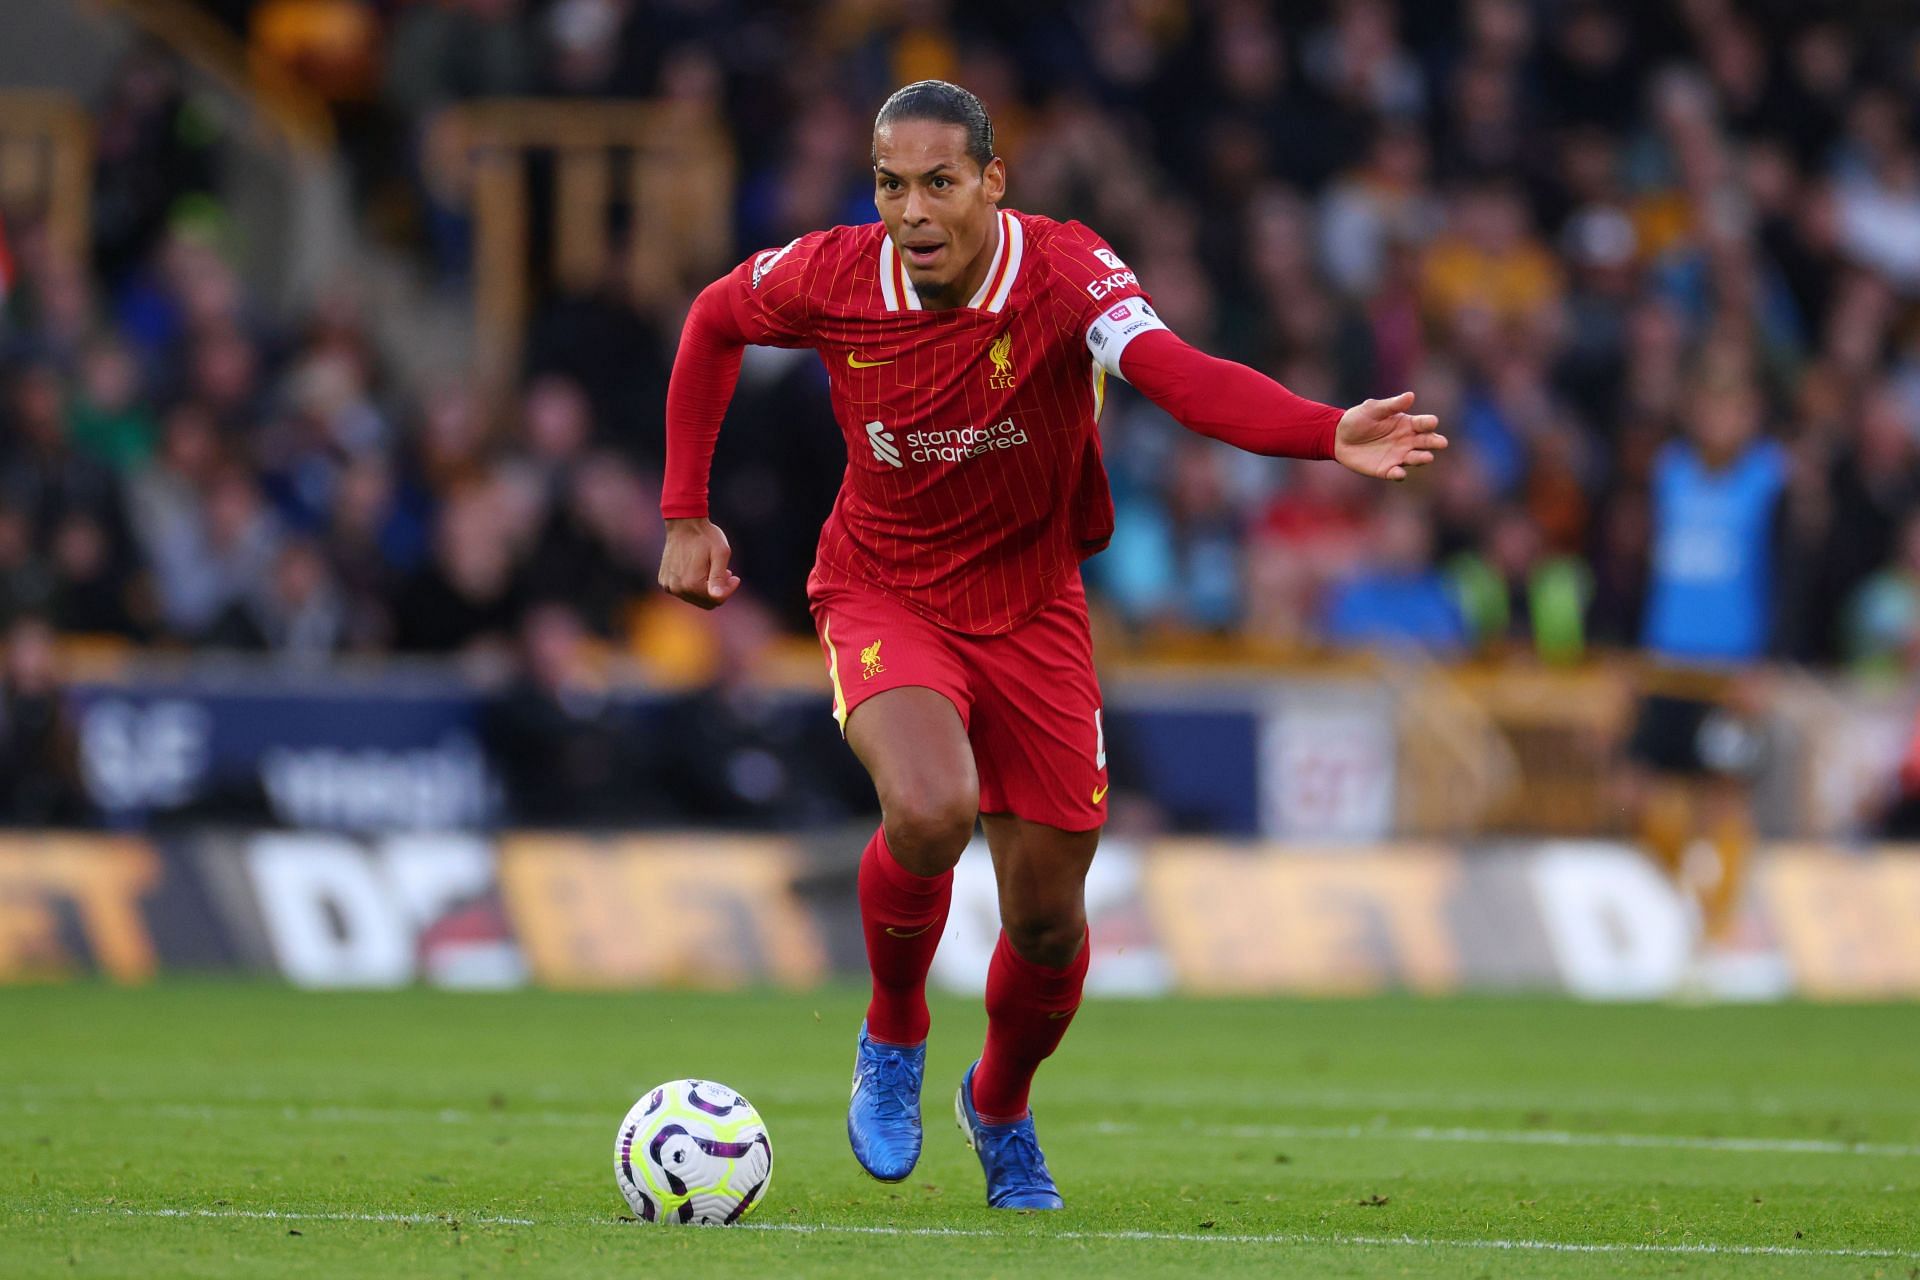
x=694 y=564
x=1379 y=438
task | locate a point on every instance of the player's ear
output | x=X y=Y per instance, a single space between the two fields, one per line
x=993 y=180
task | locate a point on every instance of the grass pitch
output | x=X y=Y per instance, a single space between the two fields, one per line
x=224 y=1130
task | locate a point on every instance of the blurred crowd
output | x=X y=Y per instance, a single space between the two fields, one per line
x=1656 y=266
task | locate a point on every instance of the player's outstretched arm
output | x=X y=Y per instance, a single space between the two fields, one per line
x=1245 y=408
x=705 y=370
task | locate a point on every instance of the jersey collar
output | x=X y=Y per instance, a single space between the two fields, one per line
x=897 y=291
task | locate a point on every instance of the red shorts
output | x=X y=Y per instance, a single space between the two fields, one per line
x=1027 y=698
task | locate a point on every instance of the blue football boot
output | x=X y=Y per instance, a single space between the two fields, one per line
x=883 y=1119
x=1017 y=1176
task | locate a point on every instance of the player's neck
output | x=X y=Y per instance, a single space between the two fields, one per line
x=973 y=277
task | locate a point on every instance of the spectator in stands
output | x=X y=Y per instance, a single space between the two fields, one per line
x=1488 y=267
x=1883 y=620
x=600 y=546
x=1184 y=558
x=447 y=51
x=568 y=754
x=1315 y=531
x=223 y=374
x=1716 y=496
x=156 y=148
x=1879 y=191
x=214 y=547
x=329 y=419
x=1368 y=211
x=1618 y=555
x=93 y=592
x=1872 y=487
x=295 y=612
x=468 y=595
x=377 y=537
x=731 y=752
x=1517 y=597
x=110 y=421
x=25 y=583
x=1397 y=598
x=1590 y=77
x=42 y=476
x=40 y=783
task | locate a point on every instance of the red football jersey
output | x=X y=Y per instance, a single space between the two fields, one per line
x=974 y=483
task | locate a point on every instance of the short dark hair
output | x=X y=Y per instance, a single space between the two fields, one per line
x=942 y=103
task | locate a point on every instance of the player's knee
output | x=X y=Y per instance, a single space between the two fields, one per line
x=1049 y=939
x=928 y=829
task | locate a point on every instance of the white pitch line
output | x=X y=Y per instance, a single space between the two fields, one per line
x=378 y=1115
x=1347 y=1241
x=1529 y=1138
x=284 y=1215
x=1143 y=1237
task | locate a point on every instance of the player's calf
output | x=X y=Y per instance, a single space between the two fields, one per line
x=1029 y=1008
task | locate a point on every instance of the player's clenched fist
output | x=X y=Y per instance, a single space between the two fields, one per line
x=694 y=565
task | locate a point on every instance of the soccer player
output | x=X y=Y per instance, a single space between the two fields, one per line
x=967 y=348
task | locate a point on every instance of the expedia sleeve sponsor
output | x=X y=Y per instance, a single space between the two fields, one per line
x=1119 y=276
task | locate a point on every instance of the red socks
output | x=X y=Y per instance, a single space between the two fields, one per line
x=1028 y=1007
x=1028 y=1011
x=903 y=916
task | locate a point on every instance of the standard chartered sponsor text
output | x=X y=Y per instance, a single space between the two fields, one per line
x=957 y=444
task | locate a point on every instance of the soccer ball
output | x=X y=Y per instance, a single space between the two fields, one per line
x=692 y=1151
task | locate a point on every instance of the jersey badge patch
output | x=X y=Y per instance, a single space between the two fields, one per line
x=1001 y=353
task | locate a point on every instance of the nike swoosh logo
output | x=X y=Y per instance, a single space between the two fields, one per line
x=907 y=933
x=853 y=363
x=1099 y=794
x=1061 y=1013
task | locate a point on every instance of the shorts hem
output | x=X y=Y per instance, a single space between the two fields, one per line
x=853 y=704
x=1073 y=824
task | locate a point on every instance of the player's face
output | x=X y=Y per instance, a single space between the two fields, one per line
x=938 y=205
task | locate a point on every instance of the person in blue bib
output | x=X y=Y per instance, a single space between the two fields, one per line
x=1697 y=745
x=1715 y=501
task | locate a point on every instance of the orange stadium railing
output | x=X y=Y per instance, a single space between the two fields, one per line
x=282 y=108
x=668 y=170
x=46 y=165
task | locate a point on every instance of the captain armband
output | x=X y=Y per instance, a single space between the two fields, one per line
x=1118 y=325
